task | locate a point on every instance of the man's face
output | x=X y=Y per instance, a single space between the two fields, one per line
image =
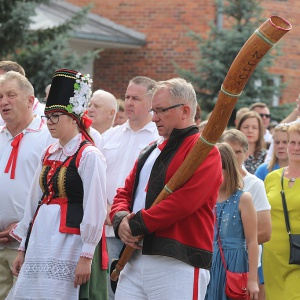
x=14 y=102
x=264 y=112
x=137 y=102
x=99 y=110
x=168 y=120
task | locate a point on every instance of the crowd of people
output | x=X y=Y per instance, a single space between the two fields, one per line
x=80 y=175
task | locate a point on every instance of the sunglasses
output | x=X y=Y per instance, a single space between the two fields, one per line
x=268 y=116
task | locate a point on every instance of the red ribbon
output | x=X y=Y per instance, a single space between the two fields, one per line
x=86 y=121
x=12 y=161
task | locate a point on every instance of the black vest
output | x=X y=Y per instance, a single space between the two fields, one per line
x=67 y=184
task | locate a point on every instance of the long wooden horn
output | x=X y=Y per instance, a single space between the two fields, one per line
x=259 y=43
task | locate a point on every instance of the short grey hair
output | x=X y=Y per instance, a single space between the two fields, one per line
x=181 y=91
x=22 y=81
x=145 y=81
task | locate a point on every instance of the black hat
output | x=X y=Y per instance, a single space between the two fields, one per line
x=69 y=93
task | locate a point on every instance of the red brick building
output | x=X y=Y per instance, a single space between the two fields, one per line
x=165 y=25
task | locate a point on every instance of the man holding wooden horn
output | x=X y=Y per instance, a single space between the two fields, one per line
x=172 y=260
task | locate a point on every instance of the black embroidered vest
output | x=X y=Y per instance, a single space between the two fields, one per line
x=66 y=189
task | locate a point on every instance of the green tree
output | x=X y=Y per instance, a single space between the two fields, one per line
x=39 y=52
x=217 y=52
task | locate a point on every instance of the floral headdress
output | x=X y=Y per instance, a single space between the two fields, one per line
x=82 y=91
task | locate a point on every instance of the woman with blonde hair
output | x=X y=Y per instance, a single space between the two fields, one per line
x=281 y=277
x=279 y=157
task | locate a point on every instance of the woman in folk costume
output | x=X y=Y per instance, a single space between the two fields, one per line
x=70 y=184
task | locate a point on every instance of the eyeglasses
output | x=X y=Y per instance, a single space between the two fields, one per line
x=54 y=118
x=268 y=116
x=161 y=111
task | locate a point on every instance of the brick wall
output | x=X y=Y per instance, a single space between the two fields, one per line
x=165 y=24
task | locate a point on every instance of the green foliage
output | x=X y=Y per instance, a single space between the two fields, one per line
x=217 y=52
x=39 y=52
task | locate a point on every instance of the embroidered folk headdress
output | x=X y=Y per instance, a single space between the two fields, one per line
x=70 y=93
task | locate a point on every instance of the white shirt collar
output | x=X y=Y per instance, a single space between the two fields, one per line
x=36 y=125
x=151 y=127
x=70 y=148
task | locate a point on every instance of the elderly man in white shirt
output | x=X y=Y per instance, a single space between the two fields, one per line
x=22 y=140
x=121 y=146
x=102 y=110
